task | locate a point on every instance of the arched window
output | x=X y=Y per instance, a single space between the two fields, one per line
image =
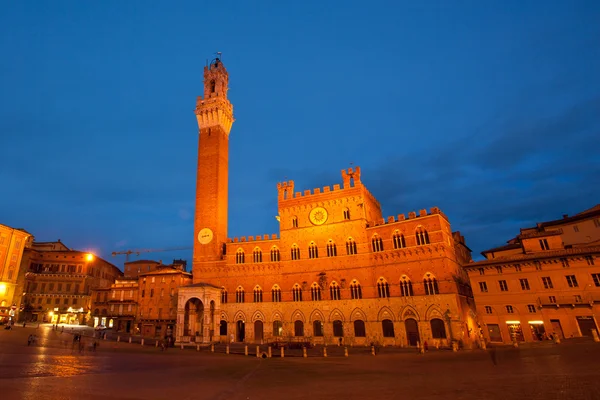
x=355 y=290
x=383 y=289
x=338 y=328
x=277 y=328
x=294 y=222
x=257 y=255
x=275 y=254
x=406 y=288
x=276 y=294
x=422 y=237
x=315 y=292
x=331 y=249
x=438 y=329
x=430 y=283
x=388 y=328
x=317 y=328
x=297 y=292
x=239 y=256
x=377 y=243
x=295 y=252
x=313 y=251
x=350 y=247
x=334 y=291
x=399 y=242
x=298 y=328
x=346 y=213
x=359 y=328
x=258 y=294
x=212 y=86
x=223 y=296
x=239 y=295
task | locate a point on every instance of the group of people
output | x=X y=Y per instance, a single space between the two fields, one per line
x=32 y=339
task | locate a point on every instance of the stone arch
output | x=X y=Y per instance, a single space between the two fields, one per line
x=316 y=315
x=239 y=316
x=386 y=313
x=258 y=316
x=357 y=313
x=224 y=316
x=277 y=316
x=409 y=312
x=336 y=314
x=298 y=315
x=433 y=312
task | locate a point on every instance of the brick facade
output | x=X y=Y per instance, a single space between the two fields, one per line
x=337 y=268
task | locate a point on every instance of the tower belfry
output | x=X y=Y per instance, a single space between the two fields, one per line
x=215 y=117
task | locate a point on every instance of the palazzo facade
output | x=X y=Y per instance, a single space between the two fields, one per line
x=337 y=272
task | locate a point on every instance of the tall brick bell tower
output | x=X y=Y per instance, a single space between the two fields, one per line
x=215 y=117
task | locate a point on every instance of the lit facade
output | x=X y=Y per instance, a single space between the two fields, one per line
x=12 y=244
x=116 y=307
x=157 y=301
x=58 y=283
x=337 y=270
x=545 y=281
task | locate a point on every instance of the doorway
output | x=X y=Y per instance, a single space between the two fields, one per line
x=412 y=331
x=557 y=328
x=223 y=328
x=586 y=324
x=258 y=330
x=241 y=331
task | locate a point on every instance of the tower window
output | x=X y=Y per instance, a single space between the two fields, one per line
x=346 y=214
x=239 y=256
x=383 y=289
x=331 y=249
x=239 y=295
x=334 y=291
x=355 y=291
x=313 y=251
x=350 y=247
x=422 y=237
x=297 y=292
x=257 y=255
x=258 y=295
x=275 y=255
x=276 y=294
x=212 y=86
x=295 y=252
x=315 y=292
x=223 y=296
x=377 y=243
x=406 y=288
x=431 y=285
x=399 y=242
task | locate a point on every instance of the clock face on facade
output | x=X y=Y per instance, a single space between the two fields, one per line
x=318 y=216
x=205 y=236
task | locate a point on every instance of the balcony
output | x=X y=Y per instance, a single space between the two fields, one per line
x=574 y=300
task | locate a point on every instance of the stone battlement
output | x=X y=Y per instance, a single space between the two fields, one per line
x=350 y=178
x=411 y=215
x=258 y=238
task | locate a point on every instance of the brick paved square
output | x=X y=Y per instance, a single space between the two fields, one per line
x=118 y=371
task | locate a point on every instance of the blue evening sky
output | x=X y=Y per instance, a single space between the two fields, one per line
x=489 y=110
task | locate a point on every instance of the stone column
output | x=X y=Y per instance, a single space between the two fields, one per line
x=206 y=326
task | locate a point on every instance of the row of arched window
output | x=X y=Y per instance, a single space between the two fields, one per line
x=313 y=251
x=438 y=328
x=430 y=285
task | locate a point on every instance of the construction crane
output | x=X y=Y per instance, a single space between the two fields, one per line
x=137 y=252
